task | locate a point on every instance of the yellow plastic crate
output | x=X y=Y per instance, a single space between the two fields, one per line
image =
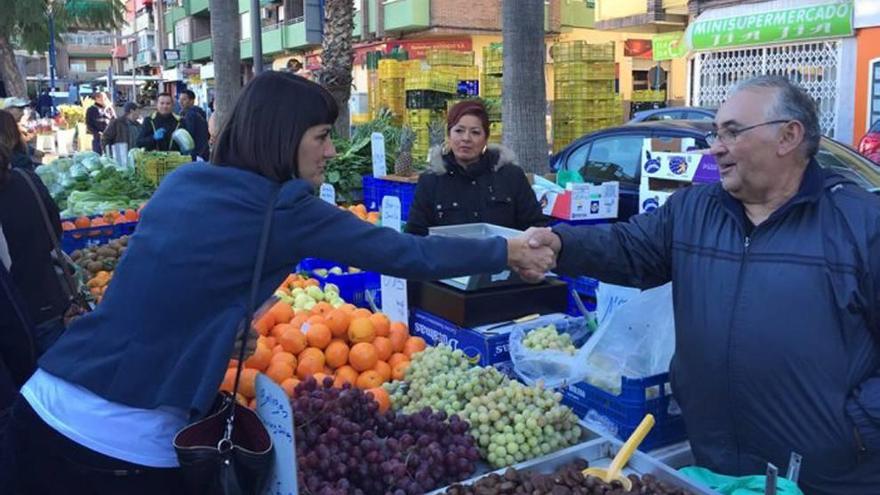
x=461 y=73
x=584 y=71
x=449 y=57
x=391 y=69
x=581 y=51
x=490 y=87
x=432 y=80
x=584 y=90
x=643 y=95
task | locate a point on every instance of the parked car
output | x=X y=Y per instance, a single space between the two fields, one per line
x=869 y=146
x=674 y=113
x=615 y=154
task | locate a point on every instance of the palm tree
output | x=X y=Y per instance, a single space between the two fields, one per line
x=524 y=98
x=25 y=25
x=337 y=57
x=225 y=36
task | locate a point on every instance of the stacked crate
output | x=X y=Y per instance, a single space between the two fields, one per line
x=391 y=87
x=490 y=87
x=585 y=98
x=649 y=96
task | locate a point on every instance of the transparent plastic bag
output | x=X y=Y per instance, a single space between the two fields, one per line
x=636 y=341
x=552 y=367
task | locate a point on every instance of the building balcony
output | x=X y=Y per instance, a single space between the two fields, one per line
x=202 y=50
x=197 y=7
x=146 y=58
x=172 y=16
x=646 y=16
x=407 y=15
x=578 y=13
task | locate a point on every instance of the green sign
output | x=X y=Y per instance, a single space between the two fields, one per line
x=668 y=46
x=781 y=26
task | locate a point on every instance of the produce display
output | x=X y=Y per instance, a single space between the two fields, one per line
x=98 y=263
x=153 y=166
x=360 y=211
x=549 y=338
x=302 y=338
x=346 y=444
x=89 y=184
x=335 y=270
x=511 y=422
x=105 y=220
x=568 y=480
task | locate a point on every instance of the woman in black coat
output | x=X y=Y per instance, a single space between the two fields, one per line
x=470 y=181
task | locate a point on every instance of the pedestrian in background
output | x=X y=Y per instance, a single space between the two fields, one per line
x=125 y=129
x=98 y=116
x=196 y=122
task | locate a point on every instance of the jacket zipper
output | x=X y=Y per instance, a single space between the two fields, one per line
x=747 y=242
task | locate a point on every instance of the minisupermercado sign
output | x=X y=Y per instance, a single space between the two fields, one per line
x=781 y=26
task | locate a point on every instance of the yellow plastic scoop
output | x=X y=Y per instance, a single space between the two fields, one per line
x=622 y=457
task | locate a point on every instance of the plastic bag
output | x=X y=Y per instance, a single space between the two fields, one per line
x=745 y=485
x=553 y=368
x=636 y=341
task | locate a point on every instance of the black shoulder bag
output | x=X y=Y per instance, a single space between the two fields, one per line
x=230 y=451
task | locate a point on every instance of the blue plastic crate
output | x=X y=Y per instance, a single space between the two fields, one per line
x=352 y=286
x=585 y=288
x=375 y=189
x=637 y=397
x=71 y=240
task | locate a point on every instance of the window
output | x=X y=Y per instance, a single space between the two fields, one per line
x=874 y=101
x=170 y=43
x=699 y=116
x=183 y=31
x=609 y=158
x=666 y=115
x=77 y=65
x=246 y=25
x=848 y=164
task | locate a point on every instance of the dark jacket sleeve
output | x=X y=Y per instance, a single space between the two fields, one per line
x=421 y=211
x=528 y=210
x=196 y=125
x=109 y=136
x=92 y=120
x=145 y=139
x=339 y=236
x=636 y=253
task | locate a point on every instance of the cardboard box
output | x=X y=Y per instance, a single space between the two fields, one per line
x=684 y=167
x=583 y=202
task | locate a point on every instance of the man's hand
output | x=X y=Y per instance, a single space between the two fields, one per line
x=531 y=263
x=542 y=236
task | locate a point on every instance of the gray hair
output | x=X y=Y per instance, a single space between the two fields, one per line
x=792 y=102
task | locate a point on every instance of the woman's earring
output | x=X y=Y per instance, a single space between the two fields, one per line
x=485 y=148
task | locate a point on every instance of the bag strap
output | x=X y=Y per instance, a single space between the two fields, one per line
x=67 y=282
x=252 y=305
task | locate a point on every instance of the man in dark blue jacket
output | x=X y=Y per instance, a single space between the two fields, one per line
x=196 y=122
x=776 y=276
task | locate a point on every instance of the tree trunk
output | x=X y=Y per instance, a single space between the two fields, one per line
x=524 y=96
x=225 y=36
x=337 y=58
x=12 y=78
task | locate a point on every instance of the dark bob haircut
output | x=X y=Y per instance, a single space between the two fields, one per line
x=268 y=122
x=467 y=107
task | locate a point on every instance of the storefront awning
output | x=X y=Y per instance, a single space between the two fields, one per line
x=770 y=23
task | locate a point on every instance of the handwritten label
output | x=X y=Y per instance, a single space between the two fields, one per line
x=377 y=140
x=609 y=297
x=328 y=193
x=394 y=294
x=273 y=408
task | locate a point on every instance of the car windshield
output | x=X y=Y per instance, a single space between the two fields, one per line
x=849 y=164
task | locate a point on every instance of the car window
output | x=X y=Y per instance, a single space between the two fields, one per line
x=577 y=158
x=699 y=116
x=613 y=158
x=849 y=164
x=664 y=116
x=875 y=127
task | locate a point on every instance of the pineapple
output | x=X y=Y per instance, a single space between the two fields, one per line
x=403 y=166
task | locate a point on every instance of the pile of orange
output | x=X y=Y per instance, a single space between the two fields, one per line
x=106 y=220
x=360 y=211
x=348 y=344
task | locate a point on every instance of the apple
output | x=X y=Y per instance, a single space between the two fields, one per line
x=336 y=270
x=315 y=293
x=321 y=272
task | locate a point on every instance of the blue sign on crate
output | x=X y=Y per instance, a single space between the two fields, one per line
x=484 y=349
x=468 y=88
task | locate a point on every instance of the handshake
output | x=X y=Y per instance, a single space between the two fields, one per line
x=534 y=253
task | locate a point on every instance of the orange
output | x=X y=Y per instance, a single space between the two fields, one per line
x=277 y=349
x=348 y=308
x=369 y=379
x=361 y=330
x=380 y=395
x=308 y=366
x=398 y=336
x=318 y=335
x=82 y=223
x=398 y=371
x=260 y=359
x=313 y=352
x=241 y=399
x=316 y=319
x=319 y=377
x=361 y=313
x=282 y=311
x=345 y=374
x=383 y=348
x=381 y=324
x=279 y=329
x=284 y=357
x=289 y=386
x=131 y=216
x=363 y=356
x=311 y=283
x=68 y=225
x=322 y=308
x=338 y=321
x=279 y=372
x=400 y=326
x=264 y=324
x=336 y=354
x=293 y=341
x=111 y=216
x=248 y=383
x=384 y=369
x=228 y=380
x=269 y=342
x=396 y=358
x=233 y=363
x=414 y=345
x=298 y=320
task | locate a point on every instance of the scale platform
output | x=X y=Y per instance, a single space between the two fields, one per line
x=481 y=281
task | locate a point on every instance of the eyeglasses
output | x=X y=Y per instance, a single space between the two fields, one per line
x=728 y=136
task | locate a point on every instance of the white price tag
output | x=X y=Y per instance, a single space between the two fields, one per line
x=328 y=193
x=377 y=139
x=394 y=303
x=391 y=212
x=273 y=408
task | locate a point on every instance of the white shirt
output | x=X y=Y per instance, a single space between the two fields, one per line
x=138 y=436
